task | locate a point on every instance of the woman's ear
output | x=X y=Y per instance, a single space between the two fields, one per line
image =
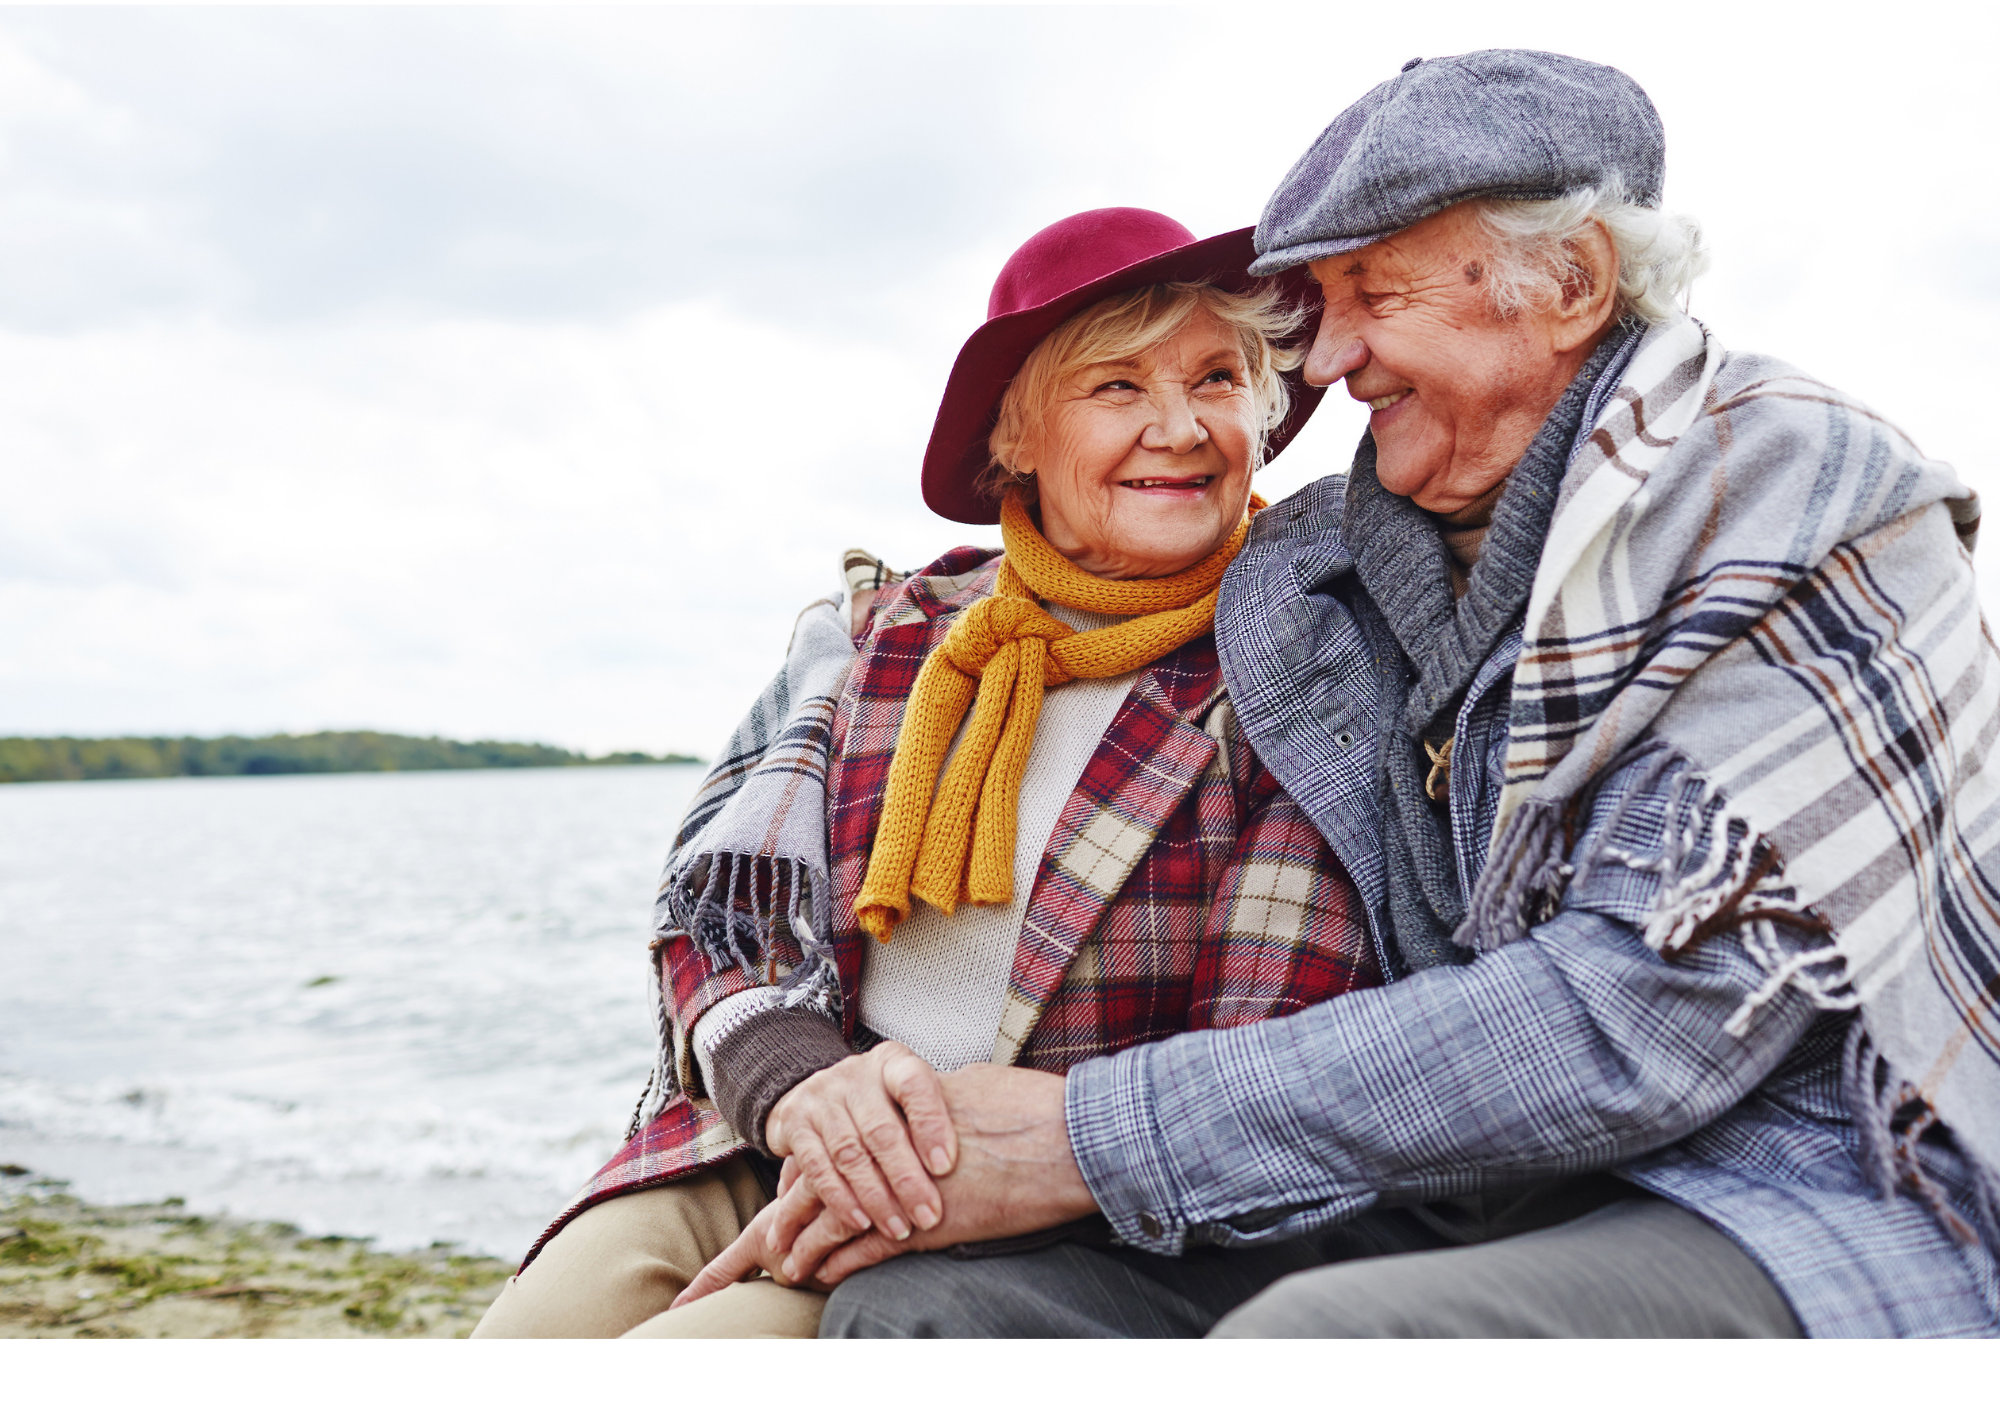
x=1590 y=292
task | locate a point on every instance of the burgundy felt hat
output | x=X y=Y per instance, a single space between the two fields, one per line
x=1060 y=270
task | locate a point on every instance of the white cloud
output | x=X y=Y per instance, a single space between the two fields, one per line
x=519 y=373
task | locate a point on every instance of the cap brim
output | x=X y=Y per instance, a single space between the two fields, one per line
x=957 y=455
x=1276 y=262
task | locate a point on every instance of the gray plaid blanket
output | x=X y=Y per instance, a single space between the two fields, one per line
x=1764 y=585
x=750 y=857
x=749 y=862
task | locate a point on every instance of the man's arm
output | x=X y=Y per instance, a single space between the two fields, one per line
x=1567 y=1052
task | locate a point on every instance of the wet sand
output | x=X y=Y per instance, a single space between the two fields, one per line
x=77 y=1270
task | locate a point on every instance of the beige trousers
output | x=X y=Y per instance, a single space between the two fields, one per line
x=614 y=1269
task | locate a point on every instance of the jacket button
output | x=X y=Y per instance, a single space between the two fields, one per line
x=1343 y=739
x=1150 y=1225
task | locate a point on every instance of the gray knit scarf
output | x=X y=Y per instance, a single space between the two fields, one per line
x=1430 y=648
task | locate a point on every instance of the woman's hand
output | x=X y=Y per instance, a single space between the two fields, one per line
x=765 y=1242
x=856 y=1130
x=1016 y=1174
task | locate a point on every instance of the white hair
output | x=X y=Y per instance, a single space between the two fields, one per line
x=1534 y=253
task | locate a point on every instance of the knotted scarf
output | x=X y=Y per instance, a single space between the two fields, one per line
x=1004 y=652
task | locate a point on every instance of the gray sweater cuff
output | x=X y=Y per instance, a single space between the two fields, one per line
x=759 y=1061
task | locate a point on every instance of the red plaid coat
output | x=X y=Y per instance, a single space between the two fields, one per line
x=1181 y=887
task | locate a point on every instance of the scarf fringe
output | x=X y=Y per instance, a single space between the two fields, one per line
x=733 y=905
x=663 y=1084
x=1731 y=889
x=1525 y=873
x=1891 y=1116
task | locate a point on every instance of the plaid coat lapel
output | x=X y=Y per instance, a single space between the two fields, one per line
x=1153 y=755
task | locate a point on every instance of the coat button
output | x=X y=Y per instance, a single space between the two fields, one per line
x=1150 y=1225
x=1343 y=739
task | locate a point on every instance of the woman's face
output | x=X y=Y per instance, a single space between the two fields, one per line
x=1144 y=465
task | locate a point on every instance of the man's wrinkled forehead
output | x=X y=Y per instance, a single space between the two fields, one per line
x=1382 y=259
x=1437 y=246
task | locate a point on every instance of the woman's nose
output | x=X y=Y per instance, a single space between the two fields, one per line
x=1174 y=428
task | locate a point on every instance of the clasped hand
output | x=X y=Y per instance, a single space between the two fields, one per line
x=855 y=1130
x=1008 y=1169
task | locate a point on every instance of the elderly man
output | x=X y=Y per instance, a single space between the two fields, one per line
x=1642 y=689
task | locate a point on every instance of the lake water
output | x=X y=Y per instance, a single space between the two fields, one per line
x=474 y=1059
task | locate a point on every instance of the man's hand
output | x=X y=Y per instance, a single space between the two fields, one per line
x=856 y=1130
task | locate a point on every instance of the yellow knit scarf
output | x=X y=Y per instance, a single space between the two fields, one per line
x=1006 y=649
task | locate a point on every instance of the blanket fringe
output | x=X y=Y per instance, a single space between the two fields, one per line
x=662 y=1086
x=1525 y=868
x=1891 y=1117
x=1728 y=886
x=733 y=904
x=731 y=911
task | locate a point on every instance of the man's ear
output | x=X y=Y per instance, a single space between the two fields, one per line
x=1590 y=294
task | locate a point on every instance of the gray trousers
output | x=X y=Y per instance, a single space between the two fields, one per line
x=1629 y=1265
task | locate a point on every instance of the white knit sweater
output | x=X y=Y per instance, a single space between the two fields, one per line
x=939 y=986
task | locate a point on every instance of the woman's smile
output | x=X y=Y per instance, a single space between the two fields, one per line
x=1187 y=488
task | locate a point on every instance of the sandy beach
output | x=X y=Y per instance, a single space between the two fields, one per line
x=70 y=1269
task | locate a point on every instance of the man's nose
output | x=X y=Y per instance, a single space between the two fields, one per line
x=1335 y=353
x=1174 y=428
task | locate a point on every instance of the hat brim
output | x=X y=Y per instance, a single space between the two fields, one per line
x=957 y=455
x=1277 y=262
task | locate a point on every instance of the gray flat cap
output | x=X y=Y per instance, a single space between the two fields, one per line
x=1511 y=123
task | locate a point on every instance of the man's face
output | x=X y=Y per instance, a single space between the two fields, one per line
x=1457 y=394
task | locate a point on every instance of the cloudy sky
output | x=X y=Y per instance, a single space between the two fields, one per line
x=519 y=373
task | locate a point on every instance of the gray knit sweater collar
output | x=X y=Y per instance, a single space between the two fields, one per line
x=1431 y=646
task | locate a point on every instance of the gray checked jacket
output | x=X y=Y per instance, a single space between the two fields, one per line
x=1577 y=1049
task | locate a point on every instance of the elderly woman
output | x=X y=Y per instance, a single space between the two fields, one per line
x=997 y=811
x=1642 y=686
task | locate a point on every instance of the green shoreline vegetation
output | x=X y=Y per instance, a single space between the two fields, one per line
x=126 y=758
x=80 y=1270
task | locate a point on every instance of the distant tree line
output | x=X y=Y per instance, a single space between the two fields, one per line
x=65 y=758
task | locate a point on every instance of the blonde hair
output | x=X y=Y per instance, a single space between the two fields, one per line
x=1128 y=324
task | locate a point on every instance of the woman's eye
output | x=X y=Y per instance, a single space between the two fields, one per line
x=1221 y=375
x=1118 y=385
